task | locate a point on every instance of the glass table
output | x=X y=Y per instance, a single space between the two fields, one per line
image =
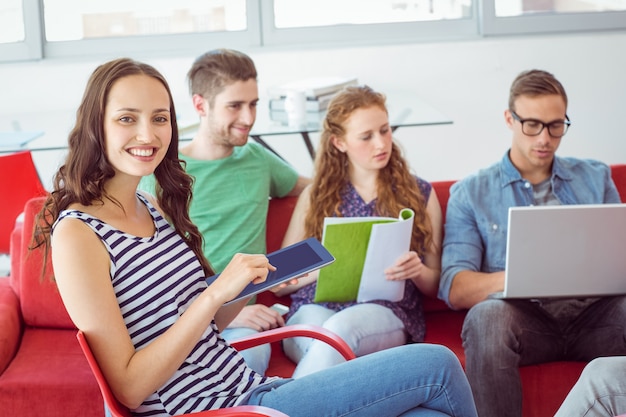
x=17 y=140
x=405 y=109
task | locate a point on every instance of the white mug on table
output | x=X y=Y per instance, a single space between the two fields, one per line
x=295 y=107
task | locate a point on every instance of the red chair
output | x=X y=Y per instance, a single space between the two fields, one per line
x=118 y=410
x=19 y=182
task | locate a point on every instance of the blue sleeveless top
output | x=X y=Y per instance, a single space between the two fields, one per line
x=155 y=280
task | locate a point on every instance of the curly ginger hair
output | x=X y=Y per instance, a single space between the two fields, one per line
x=396 y=186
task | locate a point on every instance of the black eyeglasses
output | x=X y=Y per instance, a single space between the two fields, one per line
x=534 y=127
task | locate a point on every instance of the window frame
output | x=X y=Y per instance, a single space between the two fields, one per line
x=261 y=33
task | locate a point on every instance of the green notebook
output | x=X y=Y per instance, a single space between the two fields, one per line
x=363 y=248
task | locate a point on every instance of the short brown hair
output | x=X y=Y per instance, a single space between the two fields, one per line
x=535 y=83
x=213 y=71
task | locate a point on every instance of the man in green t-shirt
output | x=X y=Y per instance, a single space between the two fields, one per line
x=233 y=178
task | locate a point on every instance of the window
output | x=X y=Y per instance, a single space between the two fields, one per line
x=70 y=20
x=308 y=13
x=537 y=16
x=20 y=37
x=11 y=21
x=77 y=27
x=309 y=21
x=528 y=7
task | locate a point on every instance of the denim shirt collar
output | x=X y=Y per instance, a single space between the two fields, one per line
x=510 y=174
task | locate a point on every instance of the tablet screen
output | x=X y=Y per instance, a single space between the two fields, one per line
x=290 y=262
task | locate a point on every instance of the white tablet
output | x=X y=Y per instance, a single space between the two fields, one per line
x=290 y=262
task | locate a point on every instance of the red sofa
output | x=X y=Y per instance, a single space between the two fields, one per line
x=44 y=373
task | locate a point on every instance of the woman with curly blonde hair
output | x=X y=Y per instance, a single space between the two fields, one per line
x=360 y=171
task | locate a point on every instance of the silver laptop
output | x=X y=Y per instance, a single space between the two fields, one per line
x=566 y=251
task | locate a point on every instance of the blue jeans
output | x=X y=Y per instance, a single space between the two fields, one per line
x=257 y=358
x=411 y=380
x=600 y=390
x=500 y=336
x=366 y=328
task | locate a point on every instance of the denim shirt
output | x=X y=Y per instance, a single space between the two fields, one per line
x=478 y=210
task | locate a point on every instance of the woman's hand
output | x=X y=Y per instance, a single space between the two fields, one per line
x=294 y=281
x=240 y=271
x=410 y=266
x=407 y=266
x=295 y=284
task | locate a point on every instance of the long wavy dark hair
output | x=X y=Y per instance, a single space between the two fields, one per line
x=396 y=188
x=86 y=170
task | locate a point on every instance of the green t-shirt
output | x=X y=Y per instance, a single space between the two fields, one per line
x=230 y=199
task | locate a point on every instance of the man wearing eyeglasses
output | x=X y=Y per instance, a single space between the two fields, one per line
x=499 y=336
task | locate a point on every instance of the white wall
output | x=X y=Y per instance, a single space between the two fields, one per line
x=466 y=80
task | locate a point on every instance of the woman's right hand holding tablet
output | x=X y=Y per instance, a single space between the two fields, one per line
x=240 y=271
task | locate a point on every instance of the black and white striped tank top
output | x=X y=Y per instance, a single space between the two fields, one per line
x=155 y=280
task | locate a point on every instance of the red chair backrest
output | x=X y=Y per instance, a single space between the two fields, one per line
x=39 y=296
x=18 y=183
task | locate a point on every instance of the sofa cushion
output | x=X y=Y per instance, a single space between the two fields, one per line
x=10 y=323
x=545 y=386
x=278 y=217
x=444 y=328
x=39 y=296
x=618 y=174
x=50 y=377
